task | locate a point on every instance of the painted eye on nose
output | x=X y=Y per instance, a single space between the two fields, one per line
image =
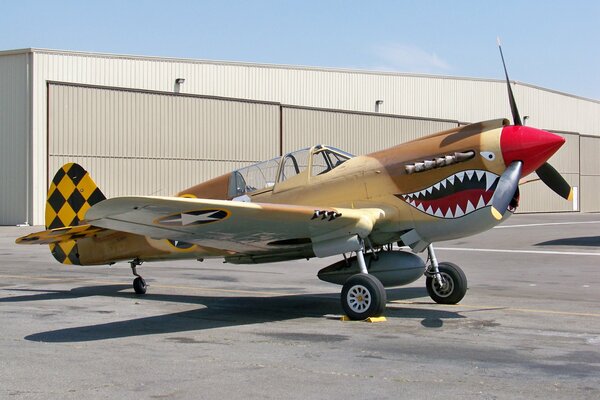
x=488 y=155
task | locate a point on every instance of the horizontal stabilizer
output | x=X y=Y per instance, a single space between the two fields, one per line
x=60 y=234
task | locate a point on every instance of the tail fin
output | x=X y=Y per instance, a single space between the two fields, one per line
x=71 y=193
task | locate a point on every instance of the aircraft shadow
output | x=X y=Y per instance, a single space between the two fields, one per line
x=590 y=241
x=216 y=312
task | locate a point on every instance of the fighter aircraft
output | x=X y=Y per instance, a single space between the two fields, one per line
x=319 y=202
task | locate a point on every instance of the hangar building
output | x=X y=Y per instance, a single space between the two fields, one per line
x=153 y=126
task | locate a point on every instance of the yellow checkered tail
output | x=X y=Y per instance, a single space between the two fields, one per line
x=71 y=193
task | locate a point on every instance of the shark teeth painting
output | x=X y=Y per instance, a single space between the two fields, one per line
x=456 y=195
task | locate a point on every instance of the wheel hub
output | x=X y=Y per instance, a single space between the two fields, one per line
x=447 y=286
x=359 y=298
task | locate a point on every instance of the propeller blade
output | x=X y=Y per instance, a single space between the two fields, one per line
x=507 y=186
x=511 y=96
x=555 y=181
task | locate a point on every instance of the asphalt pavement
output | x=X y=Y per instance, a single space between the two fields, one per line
x=528 y=328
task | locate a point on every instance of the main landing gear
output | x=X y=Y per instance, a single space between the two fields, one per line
x=139 y=284
x=363 y=295
x=446 y=283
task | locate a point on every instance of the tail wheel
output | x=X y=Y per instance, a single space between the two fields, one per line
x=454 y=284
x=139 y=285
x=363 y=296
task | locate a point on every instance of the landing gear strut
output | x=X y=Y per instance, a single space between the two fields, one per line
x=363 y=295
x=139 y=284
x=446 y=283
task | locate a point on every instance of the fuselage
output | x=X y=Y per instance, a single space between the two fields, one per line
x=440 y=185
x=434 y=188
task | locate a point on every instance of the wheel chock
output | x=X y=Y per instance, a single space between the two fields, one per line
x=370 y=319
x=376 y=319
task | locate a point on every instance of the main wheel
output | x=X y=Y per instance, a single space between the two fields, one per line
x=363 y=296
x=454 y=284
x=139 y=285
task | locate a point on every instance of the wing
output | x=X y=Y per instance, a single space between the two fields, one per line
x=239 y=227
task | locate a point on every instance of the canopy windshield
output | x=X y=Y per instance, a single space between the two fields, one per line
x=319 y=159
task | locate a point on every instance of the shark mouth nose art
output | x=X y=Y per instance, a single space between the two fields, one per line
x=456 y=195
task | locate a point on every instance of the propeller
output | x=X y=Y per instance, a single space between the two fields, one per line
x=507 y=186
x=511 y=96
x=555 y=181
x=509 y=180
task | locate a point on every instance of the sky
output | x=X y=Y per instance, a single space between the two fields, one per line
x=554 y=44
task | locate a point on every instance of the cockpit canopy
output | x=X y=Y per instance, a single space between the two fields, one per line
x=318 y=160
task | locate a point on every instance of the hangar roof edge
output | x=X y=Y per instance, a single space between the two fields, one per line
x=279 y=66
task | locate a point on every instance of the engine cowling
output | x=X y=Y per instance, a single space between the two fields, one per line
x=392 y=268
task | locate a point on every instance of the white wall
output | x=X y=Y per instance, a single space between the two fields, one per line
x=14 y=139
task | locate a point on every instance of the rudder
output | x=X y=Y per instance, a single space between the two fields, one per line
x=72 y=192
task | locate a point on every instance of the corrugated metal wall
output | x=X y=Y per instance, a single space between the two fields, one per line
x=155 y=144
x=166 y=142
x=14 y=139
x=536 y=196
x=590 y=174
x=356 y=133
x=465 y=100
x=141 y=142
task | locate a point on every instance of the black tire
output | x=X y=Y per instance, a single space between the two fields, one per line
x=139 y=285
x=454 y=288
x=363 y=296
